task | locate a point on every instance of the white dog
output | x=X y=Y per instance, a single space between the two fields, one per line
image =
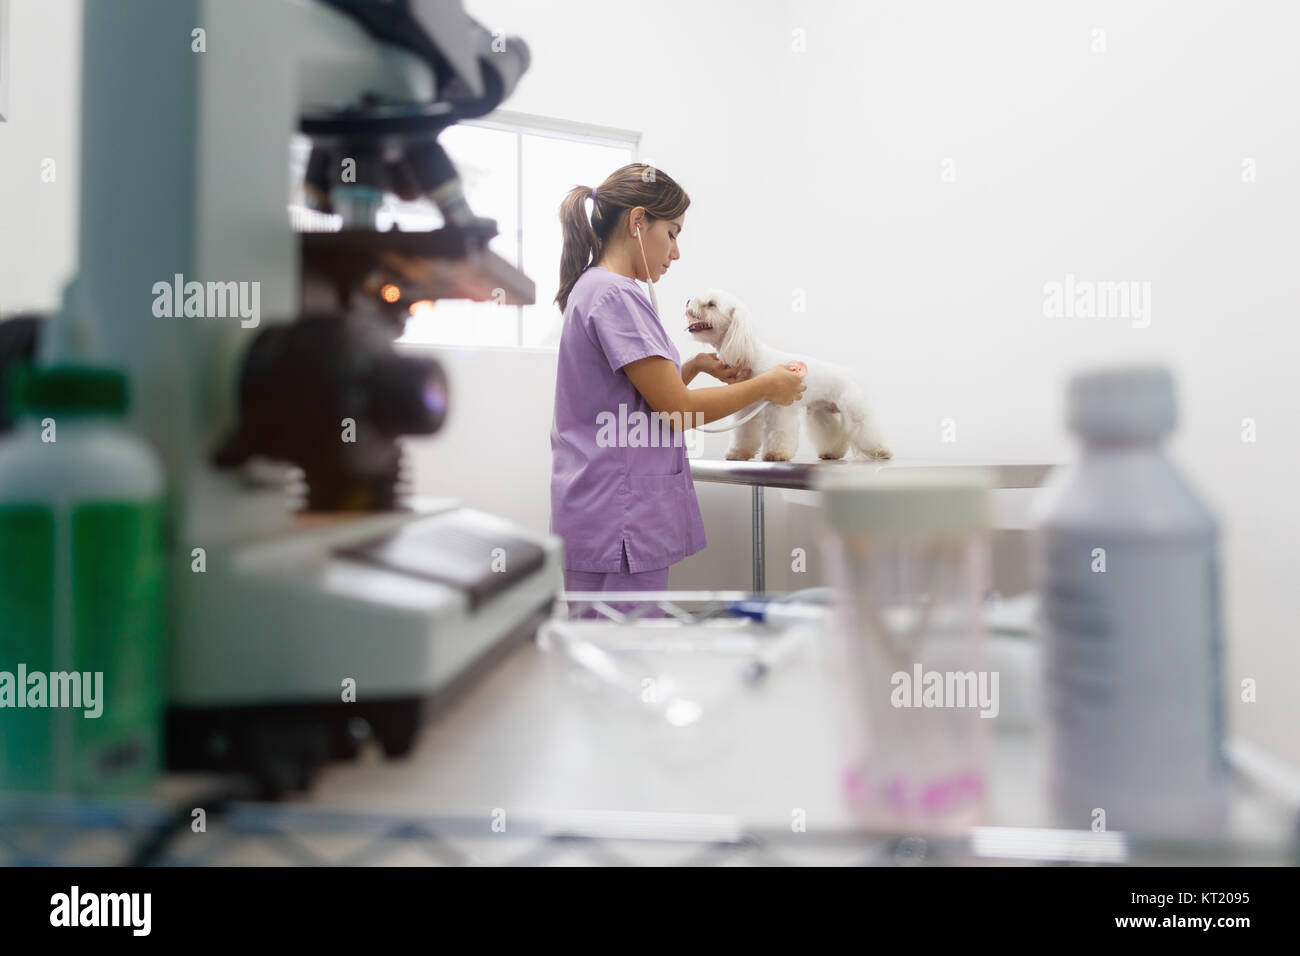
x=837 y=412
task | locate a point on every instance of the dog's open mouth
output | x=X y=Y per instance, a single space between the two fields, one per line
x=698 y=327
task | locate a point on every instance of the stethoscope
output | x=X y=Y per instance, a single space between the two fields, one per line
x=654 y=301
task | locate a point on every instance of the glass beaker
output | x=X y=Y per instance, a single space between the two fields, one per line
x=907 y=557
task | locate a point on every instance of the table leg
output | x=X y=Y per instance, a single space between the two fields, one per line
x=759 y=575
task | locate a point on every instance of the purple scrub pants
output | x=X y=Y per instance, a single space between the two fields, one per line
x=621 y=580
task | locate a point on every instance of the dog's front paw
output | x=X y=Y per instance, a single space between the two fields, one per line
x=880 y=453
x=777 y=456
x=740 y=454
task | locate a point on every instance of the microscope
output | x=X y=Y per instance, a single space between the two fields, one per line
x=312 y=604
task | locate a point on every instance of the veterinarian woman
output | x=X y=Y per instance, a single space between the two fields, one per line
x=626 y=511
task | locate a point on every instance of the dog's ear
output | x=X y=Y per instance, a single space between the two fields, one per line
x=738 y=345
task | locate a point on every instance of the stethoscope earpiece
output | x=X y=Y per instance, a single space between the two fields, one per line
x=654 y=300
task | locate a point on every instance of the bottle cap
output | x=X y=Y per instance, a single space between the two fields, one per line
x=1122 y=404
x=66 y=389
x=905 y=501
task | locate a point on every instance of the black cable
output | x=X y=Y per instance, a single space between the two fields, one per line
x=214 y=804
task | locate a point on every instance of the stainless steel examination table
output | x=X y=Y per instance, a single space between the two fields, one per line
x=801 y=475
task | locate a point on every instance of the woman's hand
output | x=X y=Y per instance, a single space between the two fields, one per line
x=784 y=386
x=710 y=364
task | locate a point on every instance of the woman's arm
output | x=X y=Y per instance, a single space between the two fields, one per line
x=656 y=378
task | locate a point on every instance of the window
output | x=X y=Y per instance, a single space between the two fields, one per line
x=515 y=169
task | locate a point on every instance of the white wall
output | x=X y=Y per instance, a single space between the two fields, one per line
x=1121 y=165
x=38 y=219
x=822 y=171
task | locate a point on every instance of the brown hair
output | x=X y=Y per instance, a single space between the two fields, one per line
x=635 y=184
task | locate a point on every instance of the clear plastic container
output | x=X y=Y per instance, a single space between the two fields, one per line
x=907 y=556
x=674 y=689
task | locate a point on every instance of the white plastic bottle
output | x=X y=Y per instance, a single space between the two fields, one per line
x=81 y=579
x=1128 y=578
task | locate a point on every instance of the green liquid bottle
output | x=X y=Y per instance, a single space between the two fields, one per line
x=82 y=666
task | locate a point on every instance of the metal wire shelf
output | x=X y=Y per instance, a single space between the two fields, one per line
x=65 y=831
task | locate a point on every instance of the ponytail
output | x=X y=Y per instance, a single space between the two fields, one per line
x=635 y=184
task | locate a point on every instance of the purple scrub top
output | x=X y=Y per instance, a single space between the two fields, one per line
x=616 y=484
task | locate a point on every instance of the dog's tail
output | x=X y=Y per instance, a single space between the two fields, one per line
x=863 y=433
